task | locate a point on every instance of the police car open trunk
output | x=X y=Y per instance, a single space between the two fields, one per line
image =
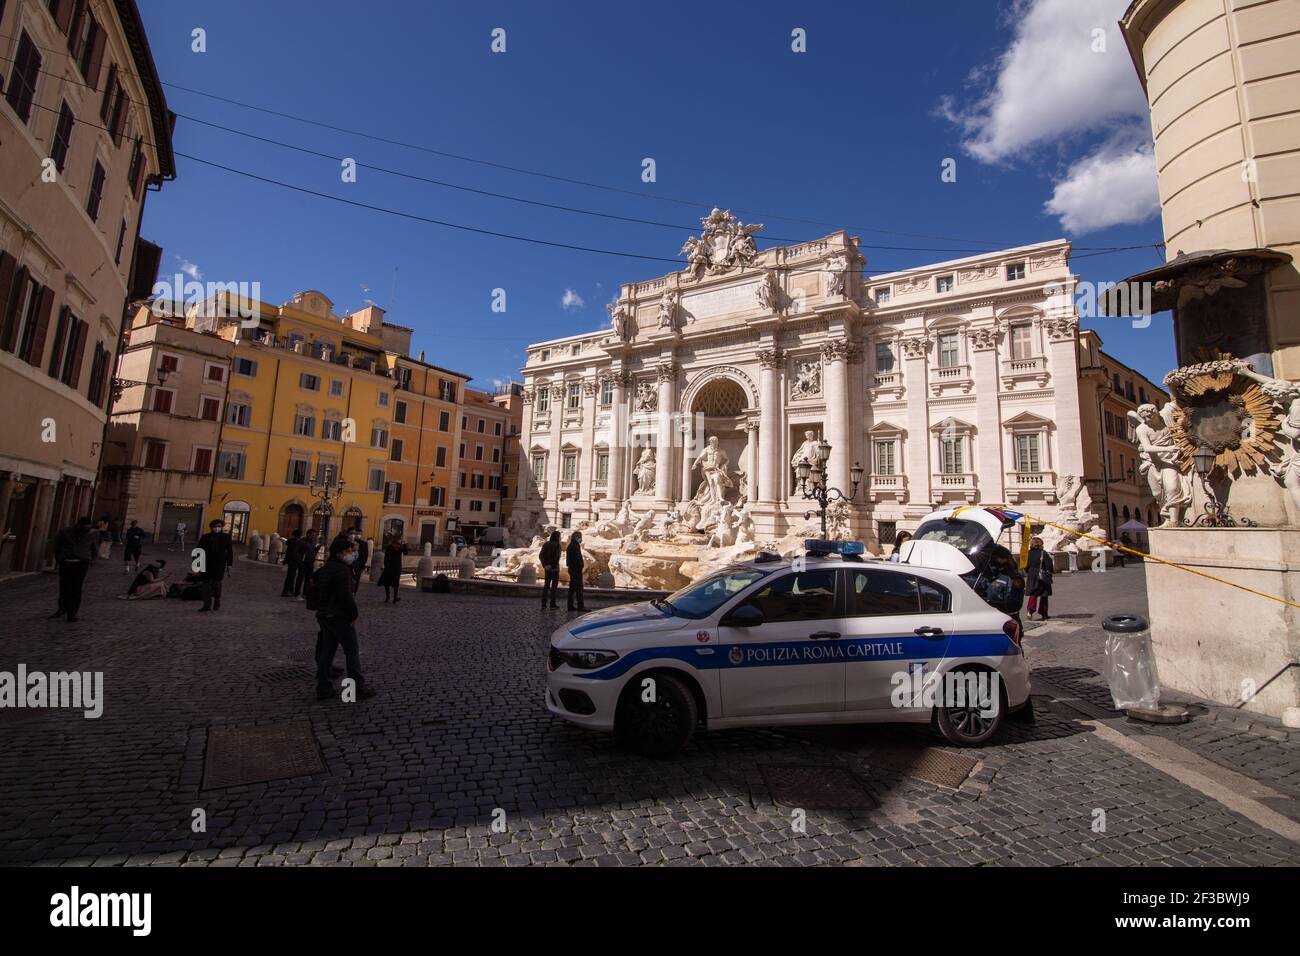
x=965 y=541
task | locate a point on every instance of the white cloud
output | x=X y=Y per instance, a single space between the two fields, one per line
x=189 y=268
x=1113 y=186
x=1065 y=76
x=571 y=300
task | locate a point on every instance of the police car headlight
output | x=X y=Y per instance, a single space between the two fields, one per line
x=582 y=660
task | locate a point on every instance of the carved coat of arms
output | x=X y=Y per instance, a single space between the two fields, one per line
x=725 y=244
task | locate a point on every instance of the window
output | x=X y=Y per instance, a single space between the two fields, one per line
x=210 y=409
x=885 y=462
x=539 y=467
x=457 y=507
x=607 y=392
x=135 y=175
x=168 y=363
x=464 y=480
x=950 y=455
x=546 y=354
x=202 y=461
x=298 y=471
x=492 y=506
x=1015 y=270
x=575 y=395
x=496 y=456
x=809 y=596
x=98 y=375
x=883 y=294
x=155 y=453
x=392 y=493
x=215 y=373
x=949 y=350
x=378 y=437
x=27 y=319
x=437 y=497
x=444 y=421
x=943 y=284
x=69 y=341
x=462 y=451
x=602 y=466
x=309 y=382
x=446 y=391
x=575 y=349
x=884 y=357
x=239 y=413
x=62 y=136
x=1022 y=345
x=399 y=413
x=304 y=424
x=375 y=481
x=395 y=452
x=476 y=506
x=96 y=193
x=1027 y=453
x=873 y=593
x=481 y=426
x=162 y=400
x=86 y=43
x=296 y=341
x=440 y=458
x=478 y=452
x=230 y=464
x=324 y=351
x=569 y=468
x=887 y=532
x=244 y=366
x=544 y=400
x=121 y=242
x=113 y=109
x=327 y=473
x=497 y=430
x=384 y=398
x=336 y=388
x=21 y=90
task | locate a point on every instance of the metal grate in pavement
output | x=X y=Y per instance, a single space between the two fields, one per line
x=925 y=763
x=238 y=755
x=288 y=675
x=812 y=787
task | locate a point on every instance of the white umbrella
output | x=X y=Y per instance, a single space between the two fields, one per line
x=1134 y=526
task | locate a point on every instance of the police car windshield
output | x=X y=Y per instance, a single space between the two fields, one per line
x=702 y=598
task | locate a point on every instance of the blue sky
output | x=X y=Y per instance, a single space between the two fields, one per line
x=851 y=133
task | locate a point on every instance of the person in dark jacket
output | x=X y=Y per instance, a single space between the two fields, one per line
x=74 y=549
x=134 y=545
x=550 y=558
x=391 y=579
x=336 y=612
x=1038 y=578
x=218 y=557
x=363 y=556
x=293 y=554
x=310 y=542
x=573 y=558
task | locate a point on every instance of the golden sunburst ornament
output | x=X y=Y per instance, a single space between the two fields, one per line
x=1218 y=407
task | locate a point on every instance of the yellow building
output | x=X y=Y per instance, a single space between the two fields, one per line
x=305 y=434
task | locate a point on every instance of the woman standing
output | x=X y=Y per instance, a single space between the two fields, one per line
x=902 y=538
x=1038 y=578
x=391 y=578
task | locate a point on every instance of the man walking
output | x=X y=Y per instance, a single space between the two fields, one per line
x=178 y=538
x=310 y=543
x=134 y=545
x=293 y=553
x=550 y=558
x=359 y=565
x=336 y=612
x=218 y=556
x=74 y=549
x=573 y=558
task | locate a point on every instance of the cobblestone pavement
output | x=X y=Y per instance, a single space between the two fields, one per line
x=459 y=730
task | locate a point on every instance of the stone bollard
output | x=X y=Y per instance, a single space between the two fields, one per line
x=466 y=567
x=527 y=574
x=254 y=545
x=424 y=569
x=427 y=551
x=275 y=549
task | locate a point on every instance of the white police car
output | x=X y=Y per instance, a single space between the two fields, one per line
x=826 y=639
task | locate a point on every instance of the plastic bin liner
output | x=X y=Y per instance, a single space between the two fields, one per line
x=1130 y=665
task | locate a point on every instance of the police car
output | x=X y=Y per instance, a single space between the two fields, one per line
x=828 y=638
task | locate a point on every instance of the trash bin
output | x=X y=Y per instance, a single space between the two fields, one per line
x=1130 y=666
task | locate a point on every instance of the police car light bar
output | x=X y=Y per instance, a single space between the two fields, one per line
x=845 y=549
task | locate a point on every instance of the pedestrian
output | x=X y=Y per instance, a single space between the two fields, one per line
x=218 y=557
x=1121 y=556
x=74 y=550
x=899 y=540
x=363 y=558
x=307 y=568
x=391 y=579
x=293 y=564
x=550 y=558
x=134 y=545
x=178 y=537
x=1038 y=578
x=573 y=558
x=104 y=542
x=336 y=612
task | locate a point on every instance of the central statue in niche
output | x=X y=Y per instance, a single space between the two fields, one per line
x=712 y=494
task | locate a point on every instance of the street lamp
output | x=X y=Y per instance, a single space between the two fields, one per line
x=812 y=482
x=327 y=492
x=119 y=385
x=1216 y=512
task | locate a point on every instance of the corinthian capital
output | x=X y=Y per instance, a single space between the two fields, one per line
x=666 y=371
x=770 y=358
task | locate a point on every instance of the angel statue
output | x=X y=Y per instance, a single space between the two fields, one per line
x=618 y=320
x=668 y=309
x=1158 y=462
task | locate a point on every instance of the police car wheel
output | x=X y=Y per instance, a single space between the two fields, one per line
x=969 y=726
x=657 y=728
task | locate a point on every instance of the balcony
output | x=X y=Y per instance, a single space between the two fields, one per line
x=1023 y=370
x=882 y=487
x=954 y=486
x=950 y=378
x=885 y=382
x=1038 y=485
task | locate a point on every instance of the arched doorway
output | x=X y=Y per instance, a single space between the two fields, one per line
x=235 y=515
x=719 y=409
x=291 y=519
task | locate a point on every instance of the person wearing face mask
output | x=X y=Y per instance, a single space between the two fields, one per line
x=218 y=558
x=336 y=612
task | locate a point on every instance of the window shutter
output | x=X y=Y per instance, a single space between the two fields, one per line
x=42 y=325
x=8 y=265
x=63 y=15
x=96 y=55
x=79 y=348
x=10 y=329
x=107 y=103
x=60 y=335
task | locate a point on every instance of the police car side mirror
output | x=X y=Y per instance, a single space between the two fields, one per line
x=747 y=615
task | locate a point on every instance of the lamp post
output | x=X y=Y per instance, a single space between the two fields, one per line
x=1216 y=512
x=119 y=385
x=327 y=493
x=812 y=482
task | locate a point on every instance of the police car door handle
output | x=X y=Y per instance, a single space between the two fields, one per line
x=825 y=635
x=928 y=631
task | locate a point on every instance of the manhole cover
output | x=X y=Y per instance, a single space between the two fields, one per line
x=925 y=763
x=288 y=675
x=816 y=788
x=254 y=754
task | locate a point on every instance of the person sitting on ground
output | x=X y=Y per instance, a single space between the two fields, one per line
x=149 y=583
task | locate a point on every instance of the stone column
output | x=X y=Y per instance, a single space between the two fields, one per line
x=555 y=460
x=751 y=460
x=1063 y=359
x=587 y=465
x=690 y=448
x=915 y=350
x=835 y=389
x=667 y=402
x=41 y=534
x=989 y=472
x=618 y=437
x=771 y=474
